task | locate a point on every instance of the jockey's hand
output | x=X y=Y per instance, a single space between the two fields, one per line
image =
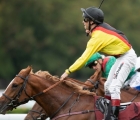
x=63 y=76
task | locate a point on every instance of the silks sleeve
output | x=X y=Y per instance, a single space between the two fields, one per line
x=92 y=47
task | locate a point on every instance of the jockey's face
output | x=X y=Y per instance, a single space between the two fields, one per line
x=98 y=65
x=86 y=23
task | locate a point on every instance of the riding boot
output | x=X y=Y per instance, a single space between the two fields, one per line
x=115 y=109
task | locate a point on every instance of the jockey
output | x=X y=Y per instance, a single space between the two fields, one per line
x=106 y=39
x=104 y=64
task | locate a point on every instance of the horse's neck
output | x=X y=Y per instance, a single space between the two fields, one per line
x=54 y=98
x=130 y=96
x=61 y=95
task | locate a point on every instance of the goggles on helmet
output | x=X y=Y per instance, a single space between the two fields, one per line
x=93 y=64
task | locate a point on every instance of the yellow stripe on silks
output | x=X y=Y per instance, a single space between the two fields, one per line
x=100 y=41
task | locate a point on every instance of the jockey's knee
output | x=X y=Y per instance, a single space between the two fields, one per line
x=106 y=86
x=115 y=92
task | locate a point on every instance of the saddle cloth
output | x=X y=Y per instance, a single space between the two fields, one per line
x=131 y=111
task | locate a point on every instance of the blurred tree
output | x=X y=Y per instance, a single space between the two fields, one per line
x=49 y=34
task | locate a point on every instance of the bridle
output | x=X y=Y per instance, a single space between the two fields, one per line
x=95 y=85
x=14 y=102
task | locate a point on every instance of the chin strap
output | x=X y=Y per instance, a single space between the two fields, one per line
x=89 y=27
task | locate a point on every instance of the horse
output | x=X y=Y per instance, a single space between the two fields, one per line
x=60 y=99
x=127 y=95
x=36 y=113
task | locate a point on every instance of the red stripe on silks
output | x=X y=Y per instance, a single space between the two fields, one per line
x=105 y=60
x=115 y=102
x=113 y=33
x=108 y=97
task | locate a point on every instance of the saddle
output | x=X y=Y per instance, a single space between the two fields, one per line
x=128 y=111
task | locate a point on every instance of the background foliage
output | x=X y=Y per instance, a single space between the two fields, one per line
x=49 y=34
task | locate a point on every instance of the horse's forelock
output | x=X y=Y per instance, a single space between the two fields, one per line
x=31 y=72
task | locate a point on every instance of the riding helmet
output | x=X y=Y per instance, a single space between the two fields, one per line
x=95 y=14
x=93 y=58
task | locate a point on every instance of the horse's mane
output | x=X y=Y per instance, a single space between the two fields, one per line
x=68 y=81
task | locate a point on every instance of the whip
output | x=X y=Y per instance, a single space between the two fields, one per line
x=101 y=3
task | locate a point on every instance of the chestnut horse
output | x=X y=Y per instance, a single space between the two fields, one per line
x=36 y=113
x=60 y=99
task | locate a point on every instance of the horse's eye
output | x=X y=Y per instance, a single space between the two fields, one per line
x=14 y=85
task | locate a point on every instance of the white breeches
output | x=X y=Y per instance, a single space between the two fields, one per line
x=119 y=73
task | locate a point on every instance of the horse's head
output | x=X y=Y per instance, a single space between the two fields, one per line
x=98 y=85
x=36 y=113
x=93 y=81
x=12 y=98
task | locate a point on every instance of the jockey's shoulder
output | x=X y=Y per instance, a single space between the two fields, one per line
x=110 y=58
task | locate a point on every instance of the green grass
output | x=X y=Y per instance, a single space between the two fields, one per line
x=19 y=110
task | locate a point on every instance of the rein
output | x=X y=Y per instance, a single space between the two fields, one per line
x=74 y=80
x=73 y=113
x=62 y=105
x=135 y=97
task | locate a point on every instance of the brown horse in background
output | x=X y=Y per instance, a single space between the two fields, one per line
x=127 y=94
x=36 y=113
x=60 y=99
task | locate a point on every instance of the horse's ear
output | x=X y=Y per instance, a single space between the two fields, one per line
x=102 y=80
x=31 y=71
x=29 y=68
